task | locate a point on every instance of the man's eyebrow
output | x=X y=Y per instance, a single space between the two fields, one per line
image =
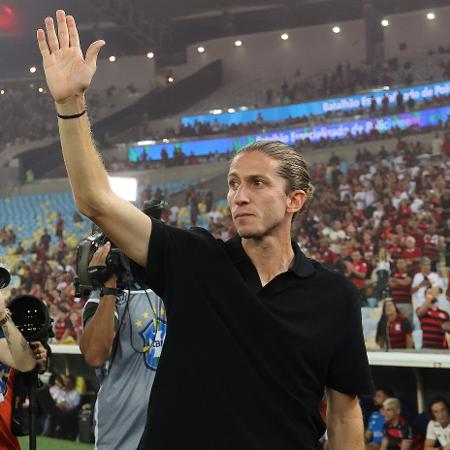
x=248 y=177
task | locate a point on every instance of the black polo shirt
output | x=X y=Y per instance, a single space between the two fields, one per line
x=244 y=366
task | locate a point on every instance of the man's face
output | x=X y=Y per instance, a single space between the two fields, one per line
x=440 y=413
x=391 y=412
x=401 y=265
x=356 y=257
x=379 y=397
x=256 y=195
x=426 y=268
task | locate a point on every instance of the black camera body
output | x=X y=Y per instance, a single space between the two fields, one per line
x=31 y=317
x=116 y=261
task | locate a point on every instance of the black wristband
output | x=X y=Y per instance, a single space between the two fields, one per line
x=73 y=116
x=109 y=291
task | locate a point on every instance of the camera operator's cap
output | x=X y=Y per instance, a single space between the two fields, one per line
x=425 y=260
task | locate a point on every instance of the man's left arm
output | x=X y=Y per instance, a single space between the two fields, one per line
x=344 y=421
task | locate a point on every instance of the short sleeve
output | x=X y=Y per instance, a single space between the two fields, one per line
x=431 y=434
x=407 y=432
x=91 y=306
x=2 y=335
x=415 y=281
x=349 y=371
x=172 y=252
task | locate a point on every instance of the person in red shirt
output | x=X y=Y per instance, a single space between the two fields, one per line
x=394 y=329
x=357 y=269
x=412 y=254
x=398 y=433
x=433 y=321
x=59 y=228
x=400 y=284
x=15 y=355
x=63 y=327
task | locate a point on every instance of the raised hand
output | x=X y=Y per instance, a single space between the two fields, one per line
x=67 y=72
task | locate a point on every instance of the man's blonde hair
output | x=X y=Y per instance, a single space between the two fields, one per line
x=392 y=403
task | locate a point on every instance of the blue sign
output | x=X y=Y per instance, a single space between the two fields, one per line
x=335 y=131
x=321 y=107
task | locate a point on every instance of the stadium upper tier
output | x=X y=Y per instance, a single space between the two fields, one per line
x=339 y=80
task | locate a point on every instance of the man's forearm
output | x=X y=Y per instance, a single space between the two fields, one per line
x=87 y=174
x=21 y=353
x=346 y=433
x=98 y=336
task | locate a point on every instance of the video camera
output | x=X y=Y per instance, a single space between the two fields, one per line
x=116 y=262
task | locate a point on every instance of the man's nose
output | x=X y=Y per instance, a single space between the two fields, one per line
x=241 y=195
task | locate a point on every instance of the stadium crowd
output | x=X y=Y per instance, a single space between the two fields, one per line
x=23 y=100
x=145 y=162
x=260 y=125
x=379 y=219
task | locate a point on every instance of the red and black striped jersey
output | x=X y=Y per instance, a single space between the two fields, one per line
x=395 y=433
x=401 y=294
x=433 y=336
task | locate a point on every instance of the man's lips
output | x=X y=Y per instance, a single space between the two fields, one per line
x=242 y=214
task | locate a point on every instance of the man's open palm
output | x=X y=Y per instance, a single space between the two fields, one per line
x=67 y=72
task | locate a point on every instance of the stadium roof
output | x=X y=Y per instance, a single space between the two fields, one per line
x=134 y=26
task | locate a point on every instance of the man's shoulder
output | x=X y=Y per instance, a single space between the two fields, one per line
x=332 y=280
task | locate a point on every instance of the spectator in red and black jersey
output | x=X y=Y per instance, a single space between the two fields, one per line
x=433 y=321
x=357 y=269
x=59 y=228
x=412 y=254
x=404 y=212
x=400 y=284
x=394 y=329
x=430 y=246
x=62 y=327
x=398 y=434
x=325 y=253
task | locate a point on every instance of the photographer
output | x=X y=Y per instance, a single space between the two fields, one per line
x=15 y=355
x=123 y=334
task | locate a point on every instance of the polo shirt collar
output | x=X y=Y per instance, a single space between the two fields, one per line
x=302 y=265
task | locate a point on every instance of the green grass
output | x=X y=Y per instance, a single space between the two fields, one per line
x=54 y=444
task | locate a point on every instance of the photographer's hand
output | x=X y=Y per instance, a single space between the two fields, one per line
x=98 y=336
x=40 y=354
x=14 y=349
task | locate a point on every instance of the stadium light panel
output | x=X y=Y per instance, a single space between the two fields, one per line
x=2 y=92
x=284 y=36
x=150 y=55
x=238 y=43
x=33 y=69
x=41 y=90
x=125 y=188
x=112 y=58
x=170 y=80
x=385 y=22
x=201 y=49
x=336 y=29
x=431 y=16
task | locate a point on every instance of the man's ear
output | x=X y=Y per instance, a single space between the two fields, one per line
x=296 y=200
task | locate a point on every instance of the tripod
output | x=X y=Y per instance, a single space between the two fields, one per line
x=31 y=381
